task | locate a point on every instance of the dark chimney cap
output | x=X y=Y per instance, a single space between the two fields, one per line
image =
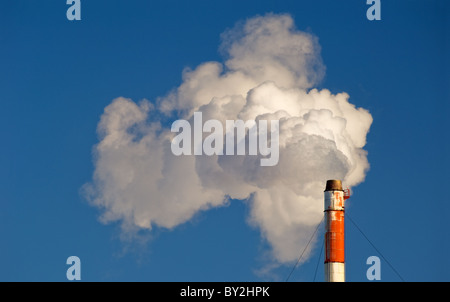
x=334 y=185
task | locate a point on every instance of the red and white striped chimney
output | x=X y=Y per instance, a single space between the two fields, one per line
x=334 y=232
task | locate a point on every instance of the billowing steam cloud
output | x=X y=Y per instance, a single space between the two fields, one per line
x=269 y=72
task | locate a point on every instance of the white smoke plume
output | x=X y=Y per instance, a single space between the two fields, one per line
x=269 y=73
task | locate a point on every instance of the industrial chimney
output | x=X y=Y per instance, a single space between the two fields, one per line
x=334 y=231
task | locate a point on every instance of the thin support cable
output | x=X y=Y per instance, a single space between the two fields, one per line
x=351 y=220
x=318 y=260
x=301 y=255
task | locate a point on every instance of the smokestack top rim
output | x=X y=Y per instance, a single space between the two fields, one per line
x=333 y=185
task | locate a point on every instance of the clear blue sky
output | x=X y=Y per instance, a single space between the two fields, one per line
x=57 y=76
